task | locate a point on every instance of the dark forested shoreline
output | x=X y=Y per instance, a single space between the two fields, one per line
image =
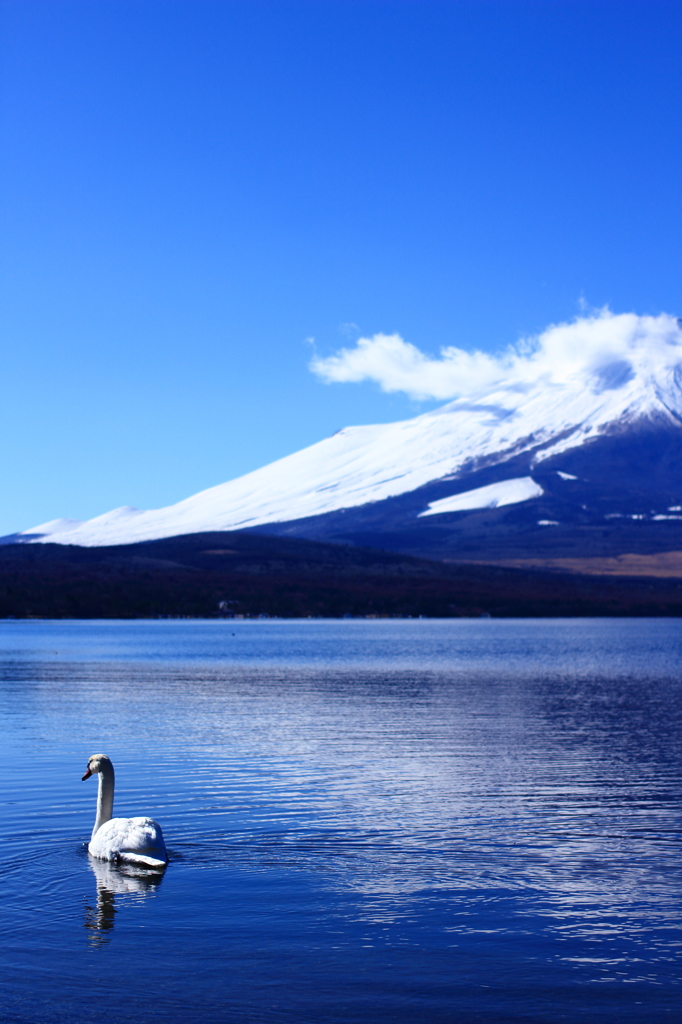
x=246 y=574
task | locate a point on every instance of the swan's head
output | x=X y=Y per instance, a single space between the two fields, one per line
x=97 y=763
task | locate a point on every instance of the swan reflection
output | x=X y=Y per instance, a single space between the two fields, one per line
x=127 y=881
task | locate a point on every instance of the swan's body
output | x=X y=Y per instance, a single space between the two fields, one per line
x=131 y=840
x=126 y=840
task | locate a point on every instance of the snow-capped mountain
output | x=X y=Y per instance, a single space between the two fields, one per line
x=594 y=433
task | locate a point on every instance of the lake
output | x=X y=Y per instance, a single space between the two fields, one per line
x=368 y=821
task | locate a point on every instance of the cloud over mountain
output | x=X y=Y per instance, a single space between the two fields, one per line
x=603 y=351
x=596 y=377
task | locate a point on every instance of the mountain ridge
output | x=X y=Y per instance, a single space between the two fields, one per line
x=578 y=442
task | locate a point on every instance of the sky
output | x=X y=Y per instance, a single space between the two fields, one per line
x=205 y=203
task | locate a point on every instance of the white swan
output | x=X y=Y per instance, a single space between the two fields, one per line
x=124 y=840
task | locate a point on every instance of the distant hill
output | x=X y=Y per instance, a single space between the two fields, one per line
x=242 y=573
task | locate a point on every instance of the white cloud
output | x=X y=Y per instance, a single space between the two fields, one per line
x=604 y=349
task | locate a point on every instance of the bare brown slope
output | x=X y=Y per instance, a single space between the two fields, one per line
x=664 y=565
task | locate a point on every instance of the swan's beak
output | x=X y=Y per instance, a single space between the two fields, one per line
x=87 y=775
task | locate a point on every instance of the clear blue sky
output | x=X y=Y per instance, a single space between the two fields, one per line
x=192 y=189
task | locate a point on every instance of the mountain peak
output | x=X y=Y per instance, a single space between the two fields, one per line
x=568 y=387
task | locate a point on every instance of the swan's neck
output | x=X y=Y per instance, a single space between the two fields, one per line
x=105 y=797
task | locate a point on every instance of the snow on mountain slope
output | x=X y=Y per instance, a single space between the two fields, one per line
x=54 y=527
x=506 y=492
x=607 y=372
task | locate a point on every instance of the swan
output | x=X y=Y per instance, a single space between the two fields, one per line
x=123 y=840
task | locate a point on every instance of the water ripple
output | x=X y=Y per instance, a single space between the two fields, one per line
x=366 y=821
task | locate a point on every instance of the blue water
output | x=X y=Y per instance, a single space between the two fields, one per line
x=369 y=821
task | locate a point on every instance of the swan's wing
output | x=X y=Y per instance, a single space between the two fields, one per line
x=144 y=836
x=132 y=840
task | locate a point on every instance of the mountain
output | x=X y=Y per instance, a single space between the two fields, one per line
x=580 y=458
